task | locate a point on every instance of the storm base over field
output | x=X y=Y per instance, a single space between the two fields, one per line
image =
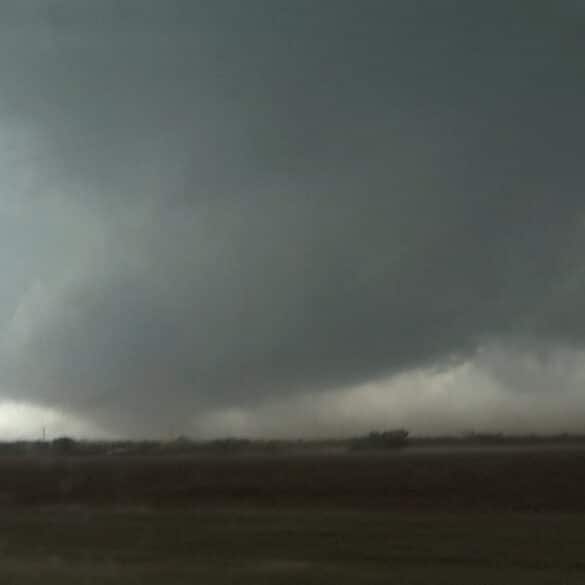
x=308 y=218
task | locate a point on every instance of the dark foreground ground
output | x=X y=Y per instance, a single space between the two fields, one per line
x=410 y=518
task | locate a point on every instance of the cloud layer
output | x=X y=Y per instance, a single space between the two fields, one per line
x=208 y=206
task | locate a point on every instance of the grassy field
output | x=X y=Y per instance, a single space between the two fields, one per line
x=477 y=518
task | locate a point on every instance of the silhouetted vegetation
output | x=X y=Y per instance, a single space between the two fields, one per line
x=184 y=446
x=384 y=440
x=64 y=446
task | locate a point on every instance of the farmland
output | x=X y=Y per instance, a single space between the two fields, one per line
x=479 y=516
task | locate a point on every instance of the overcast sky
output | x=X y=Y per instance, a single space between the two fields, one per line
x=291 y=218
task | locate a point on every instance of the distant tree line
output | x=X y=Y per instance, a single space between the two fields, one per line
x=373 y=441
x=381 y=440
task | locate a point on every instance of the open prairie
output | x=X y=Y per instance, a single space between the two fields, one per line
x=407 y=518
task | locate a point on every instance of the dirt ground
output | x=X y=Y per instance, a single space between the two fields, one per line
x=426 y=518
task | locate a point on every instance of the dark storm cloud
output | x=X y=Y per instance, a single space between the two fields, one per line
x=292 y=196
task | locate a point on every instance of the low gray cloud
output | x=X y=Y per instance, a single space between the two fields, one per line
x=511 y=392
x=221 y=204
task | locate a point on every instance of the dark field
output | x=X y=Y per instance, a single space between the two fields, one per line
x=407 y=518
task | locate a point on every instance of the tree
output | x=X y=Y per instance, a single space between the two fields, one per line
x=64 y=445
x=382 y=440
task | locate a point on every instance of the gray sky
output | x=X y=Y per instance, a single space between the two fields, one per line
x=291 y=217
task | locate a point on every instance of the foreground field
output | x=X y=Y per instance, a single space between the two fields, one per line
x=496 y=479
x=293 y=546
x=449 y=519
